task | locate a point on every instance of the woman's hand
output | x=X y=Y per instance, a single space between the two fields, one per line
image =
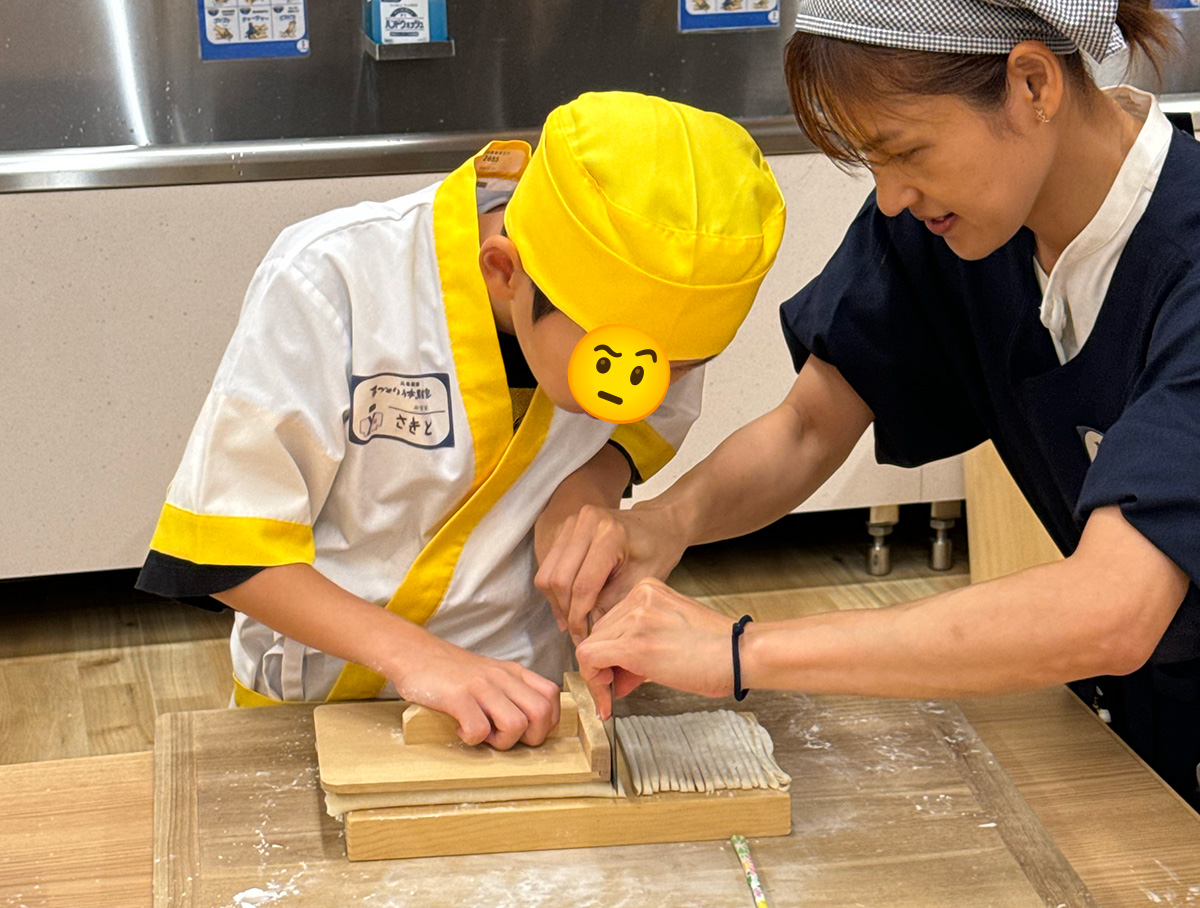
x=599 y=554
x=498 y=703
x=655 y=634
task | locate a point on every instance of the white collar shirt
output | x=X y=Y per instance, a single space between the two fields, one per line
x=1075 y=288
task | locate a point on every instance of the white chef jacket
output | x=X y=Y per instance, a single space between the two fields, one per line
x=361 y=421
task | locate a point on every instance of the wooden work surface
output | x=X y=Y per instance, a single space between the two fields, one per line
x=889 y=797
x=79 y=831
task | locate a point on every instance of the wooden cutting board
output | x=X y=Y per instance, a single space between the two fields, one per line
x=541 y=825
x=894 y=802
x=372 y=747
x=404 y=750
x=363 y=751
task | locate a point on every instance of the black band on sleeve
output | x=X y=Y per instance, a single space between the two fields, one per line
x=190 y=583
x=516 y=369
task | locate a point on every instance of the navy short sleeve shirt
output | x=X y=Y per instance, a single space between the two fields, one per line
x=949 y=353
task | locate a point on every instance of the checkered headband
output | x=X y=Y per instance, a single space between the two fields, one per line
x=968 y=26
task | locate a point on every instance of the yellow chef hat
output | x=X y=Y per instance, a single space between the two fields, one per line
x=639 y=211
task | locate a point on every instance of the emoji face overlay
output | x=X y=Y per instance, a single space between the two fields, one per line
x=618 y=374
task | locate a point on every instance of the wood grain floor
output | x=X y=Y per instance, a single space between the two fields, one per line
x=87 y=663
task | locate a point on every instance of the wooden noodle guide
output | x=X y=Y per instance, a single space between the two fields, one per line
x=390 y=747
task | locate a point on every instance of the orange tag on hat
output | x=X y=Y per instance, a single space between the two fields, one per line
x=618 y=374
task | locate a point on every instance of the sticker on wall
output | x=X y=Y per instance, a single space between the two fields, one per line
x=406 y=21
x=241 y=29
x=714 y=15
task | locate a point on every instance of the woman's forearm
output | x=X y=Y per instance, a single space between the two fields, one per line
x=771 y=465
x=1099 y=612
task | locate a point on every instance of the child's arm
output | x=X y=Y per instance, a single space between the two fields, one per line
x=599 y=482
x=496 y=702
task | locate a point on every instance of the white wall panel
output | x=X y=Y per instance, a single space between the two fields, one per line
x=116 y=306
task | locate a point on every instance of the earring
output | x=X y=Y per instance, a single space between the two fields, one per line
x=1041 y=115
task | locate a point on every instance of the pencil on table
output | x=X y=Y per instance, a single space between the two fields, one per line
x=742 y=847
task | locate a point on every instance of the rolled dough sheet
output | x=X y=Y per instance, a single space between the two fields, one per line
x=336 y=804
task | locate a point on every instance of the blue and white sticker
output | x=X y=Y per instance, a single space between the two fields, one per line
x=718 y=15
x=242 y=29
x=414 y=409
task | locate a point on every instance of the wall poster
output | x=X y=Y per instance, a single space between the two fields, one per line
x=716 y=15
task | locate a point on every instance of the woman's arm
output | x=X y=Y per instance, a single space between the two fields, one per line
x=1099 y=612
x=771 y=465
x=755 y=476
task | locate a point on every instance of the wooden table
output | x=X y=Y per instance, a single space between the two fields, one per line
x=78 y=832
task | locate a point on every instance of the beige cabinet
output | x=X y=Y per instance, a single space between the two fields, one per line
x=1003 y=533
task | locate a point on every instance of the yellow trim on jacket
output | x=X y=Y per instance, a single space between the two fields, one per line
x=648 y=450
x=500 y=456
x=219 y=539
x=425 y=585
x=469 y=318
x=244 y=696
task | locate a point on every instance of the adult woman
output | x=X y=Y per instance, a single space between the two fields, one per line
x=1013 y=198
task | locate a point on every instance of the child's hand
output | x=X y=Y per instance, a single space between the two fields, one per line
x=496 y=702
x=597 y=557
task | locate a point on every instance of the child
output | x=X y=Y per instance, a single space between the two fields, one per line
x=392 y=414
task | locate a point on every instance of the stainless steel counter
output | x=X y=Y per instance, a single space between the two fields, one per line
x=285 y=159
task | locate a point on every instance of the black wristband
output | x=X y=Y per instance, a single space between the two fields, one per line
x=739 y=628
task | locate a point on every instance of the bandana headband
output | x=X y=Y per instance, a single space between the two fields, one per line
x=968 y=26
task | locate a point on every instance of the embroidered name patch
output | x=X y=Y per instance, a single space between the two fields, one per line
x=414 y=409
